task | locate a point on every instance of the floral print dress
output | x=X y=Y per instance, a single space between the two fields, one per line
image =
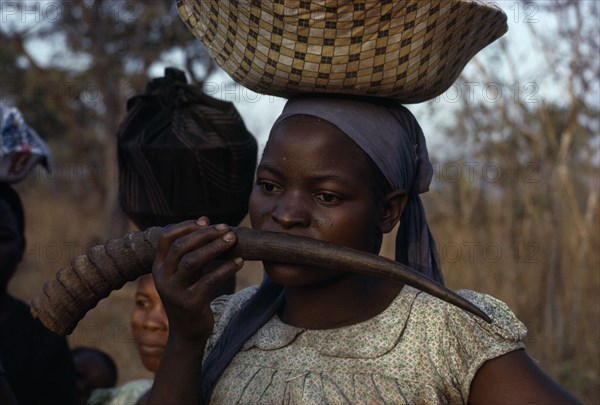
x=420 y=350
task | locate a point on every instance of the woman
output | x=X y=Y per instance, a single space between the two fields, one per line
x=149 y=323
x=343 y=171
x=37 y=364
x=150 y=329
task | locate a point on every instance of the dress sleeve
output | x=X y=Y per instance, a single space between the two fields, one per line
x=470 y=341
x=223 y=309
x=218 y=307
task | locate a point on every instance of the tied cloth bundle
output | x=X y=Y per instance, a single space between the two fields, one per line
x=411 y=51
x=21 y=148
x=183 y=154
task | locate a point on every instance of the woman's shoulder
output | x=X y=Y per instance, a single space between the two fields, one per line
x=431 y=310
x=465 y=341
x=457 y=341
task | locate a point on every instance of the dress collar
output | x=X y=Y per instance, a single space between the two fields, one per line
x=369 y=339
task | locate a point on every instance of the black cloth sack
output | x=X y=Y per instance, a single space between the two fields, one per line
x=183 y=154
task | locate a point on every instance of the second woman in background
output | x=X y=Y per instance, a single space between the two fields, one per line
x=150 y=329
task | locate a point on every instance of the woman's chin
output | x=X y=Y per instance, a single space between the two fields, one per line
x=289 y=275
x=151 y=363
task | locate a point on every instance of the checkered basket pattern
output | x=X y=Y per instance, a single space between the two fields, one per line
x=408 y=50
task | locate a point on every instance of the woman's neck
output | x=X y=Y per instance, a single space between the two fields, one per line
x=347 y=300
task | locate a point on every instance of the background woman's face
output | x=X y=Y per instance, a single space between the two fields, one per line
x=11 y=246
x=149 y=322
x=314 y=181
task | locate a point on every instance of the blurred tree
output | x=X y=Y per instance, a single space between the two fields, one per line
x=74 y=91
x=530 y=172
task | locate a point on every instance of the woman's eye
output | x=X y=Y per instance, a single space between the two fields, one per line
x=142 y=303
x=267 y=186
x=328 y=198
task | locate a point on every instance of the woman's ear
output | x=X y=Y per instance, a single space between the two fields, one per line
x=393 y=206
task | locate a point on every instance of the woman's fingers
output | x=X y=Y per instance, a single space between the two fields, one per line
x=185 y=249
x=173 y=232
x=196 y=249
x=218 y=275
x=183 y=238
x=200 y=247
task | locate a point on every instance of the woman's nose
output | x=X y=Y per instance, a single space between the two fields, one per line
x=156 y=319
x=291 y=210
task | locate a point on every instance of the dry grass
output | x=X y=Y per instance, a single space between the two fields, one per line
x=486 y=258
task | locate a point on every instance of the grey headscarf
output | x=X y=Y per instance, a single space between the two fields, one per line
x=391 y=136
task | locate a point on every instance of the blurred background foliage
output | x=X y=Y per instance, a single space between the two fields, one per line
x=514 y=201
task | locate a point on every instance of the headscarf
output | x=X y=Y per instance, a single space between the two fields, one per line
x=21 y=148
x=391 y=136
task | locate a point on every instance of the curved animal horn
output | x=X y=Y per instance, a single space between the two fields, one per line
x=105 y=268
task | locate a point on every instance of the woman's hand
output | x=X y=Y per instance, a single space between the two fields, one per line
x=186 y=288
x=184 y=250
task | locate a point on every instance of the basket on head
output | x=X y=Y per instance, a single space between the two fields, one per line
x=404 y=49
x=183 y=154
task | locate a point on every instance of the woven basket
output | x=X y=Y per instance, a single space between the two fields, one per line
x=408 y=50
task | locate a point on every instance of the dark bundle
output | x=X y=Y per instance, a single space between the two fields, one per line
x=176 y=138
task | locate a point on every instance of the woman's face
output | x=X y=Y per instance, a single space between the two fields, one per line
x=314 y=181
x=11 y=245
x=149 y=323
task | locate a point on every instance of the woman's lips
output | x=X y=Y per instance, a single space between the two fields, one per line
x=151 y=349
